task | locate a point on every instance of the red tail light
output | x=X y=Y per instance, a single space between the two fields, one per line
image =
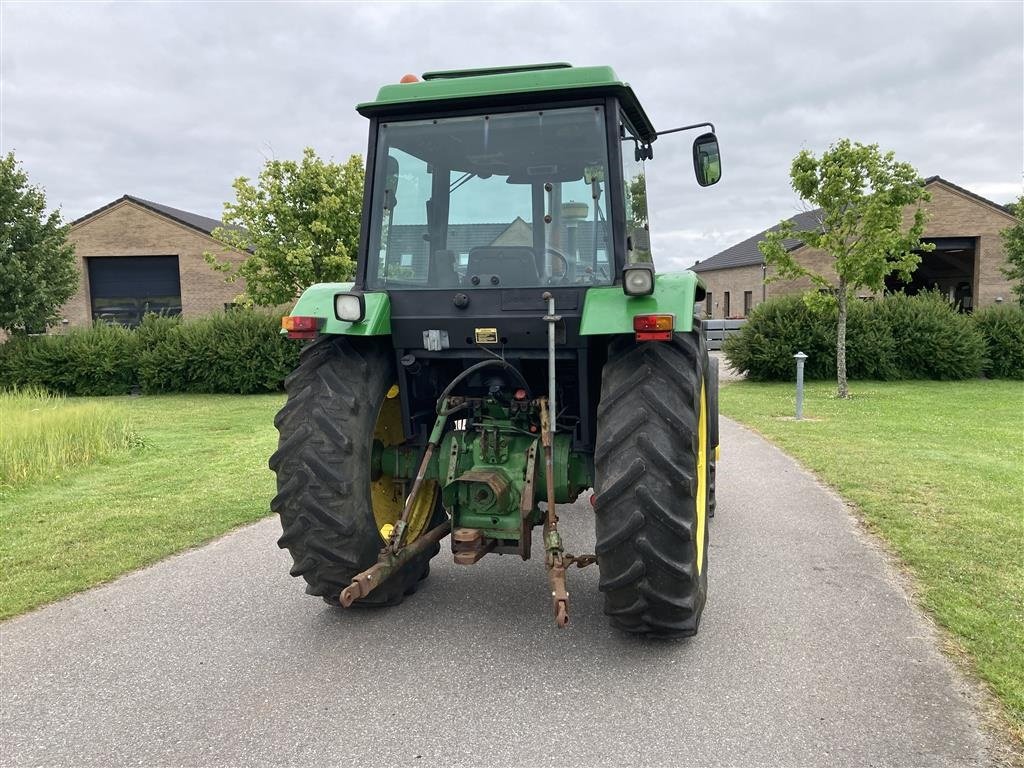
x=654 y=327
x=300 y=327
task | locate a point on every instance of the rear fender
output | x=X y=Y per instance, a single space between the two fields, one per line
x=318 y=301
x=607 y=310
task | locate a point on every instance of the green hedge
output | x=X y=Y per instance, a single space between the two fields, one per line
x=84 y=361
x=777 y=330
x=933 y=340
x=239 y=352
x=897 y=337
x=1003 y=329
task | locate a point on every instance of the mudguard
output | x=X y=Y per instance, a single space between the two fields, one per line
x=607 y=310
x=318 y=301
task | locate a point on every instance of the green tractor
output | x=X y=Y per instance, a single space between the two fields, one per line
x=505 y=347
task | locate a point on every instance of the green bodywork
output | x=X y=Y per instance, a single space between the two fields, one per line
x=483 y=473
x=464 y=86
x=318 y=301
x=608 y=310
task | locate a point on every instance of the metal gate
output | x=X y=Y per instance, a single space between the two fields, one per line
x=718 y=331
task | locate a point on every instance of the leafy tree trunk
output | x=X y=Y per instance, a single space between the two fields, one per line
x=843 y=390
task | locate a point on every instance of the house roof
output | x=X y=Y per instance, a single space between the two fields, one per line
x=195 y=221
x=746 y=253
x=979 y=198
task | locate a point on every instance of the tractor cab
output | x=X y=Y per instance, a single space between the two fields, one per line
x=516 y=178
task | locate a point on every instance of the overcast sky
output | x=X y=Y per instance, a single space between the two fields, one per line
x=172 y=101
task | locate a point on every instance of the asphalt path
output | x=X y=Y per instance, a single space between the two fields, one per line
x=810 y=653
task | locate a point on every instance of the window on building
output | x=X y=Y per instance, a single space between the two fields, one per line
x=124 y=288
x=709 y=306
x=725 y=305
x=748 y=302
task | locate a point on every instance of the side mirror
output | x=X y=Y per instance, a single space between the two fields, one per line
x=707 y=163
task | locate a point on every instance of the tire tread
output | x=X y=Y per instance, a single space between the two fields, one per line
x=645 y=485
x=323 y=469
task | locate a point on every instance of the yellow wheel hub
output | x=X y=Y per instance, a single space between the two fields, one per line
x=387 y=494
x=702 y=476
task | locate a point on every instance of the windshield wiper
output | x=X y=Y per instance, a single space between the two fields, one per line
x=461 y=180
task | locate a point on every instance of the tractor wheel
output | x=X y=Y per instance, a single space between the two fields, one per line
x=340 y=399
x=651 y=485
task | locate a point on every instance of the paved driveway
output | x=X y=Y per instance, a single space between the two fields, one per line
x=810 y=654
x=726 y=372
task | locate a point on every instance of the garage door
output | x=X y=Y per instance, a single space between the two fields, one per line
x=124 y=288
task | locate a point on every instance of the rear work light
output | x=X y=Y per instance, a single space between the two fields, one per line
x=299 y=327
x=654 y=327
x=350 y=307
x=638 y=279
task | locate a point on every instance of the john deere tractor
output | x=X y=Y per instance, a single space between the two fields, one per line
x=506 y=346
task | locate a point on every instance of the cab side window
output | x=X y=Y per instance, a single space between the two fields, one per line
x=638 y=233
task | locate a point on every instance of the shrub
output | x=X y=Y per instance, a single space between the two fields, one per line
x=933 y=341
x=775 y=331
x=154 y=329
x=84 y=361
x=896 y=337
x=239 y=352
x=1003 y=330
x=870 y=346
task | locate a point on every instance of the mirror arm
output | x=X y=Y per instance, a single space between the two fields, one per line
x=646 y=151
x=687 y=128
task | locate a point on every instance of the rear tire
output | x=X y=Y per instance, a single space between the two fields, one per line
x=651 y=497
x=323 y=469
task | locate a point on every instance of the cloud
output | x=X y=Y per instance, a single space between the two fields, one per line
x=173 y=101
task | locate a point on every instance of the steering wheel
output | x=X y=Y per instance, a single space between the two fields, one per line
x=557 y=256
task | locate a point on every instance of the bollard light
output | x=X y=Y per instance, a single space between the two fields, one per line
x=800 y=357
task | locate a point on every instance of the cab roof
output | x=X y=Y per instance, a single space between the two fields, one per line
x=505 y=86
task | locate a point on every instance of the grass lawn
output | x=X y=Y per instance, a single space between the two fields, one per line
x=43 y=434
x=201 y=470
x=937 y=469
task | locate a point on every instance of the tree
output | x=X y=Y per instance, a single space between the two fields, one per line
x=860 y=195
x=636 y=219
x=1013 y=242
x=37 y=263
x=300 y=223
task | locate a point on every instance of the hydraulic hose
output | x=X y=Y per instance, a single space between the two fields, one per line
x=473 y=369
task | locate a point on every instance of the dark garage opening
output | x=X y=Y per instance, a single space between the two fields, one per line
x=948 y=269
x=124 y=288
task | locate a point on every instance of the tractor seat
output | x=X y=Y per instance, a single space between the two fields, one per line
x=515 y=266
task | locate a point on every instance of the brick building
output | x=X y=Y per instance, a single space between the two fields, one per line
x=965 y=264
x=136 y=256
